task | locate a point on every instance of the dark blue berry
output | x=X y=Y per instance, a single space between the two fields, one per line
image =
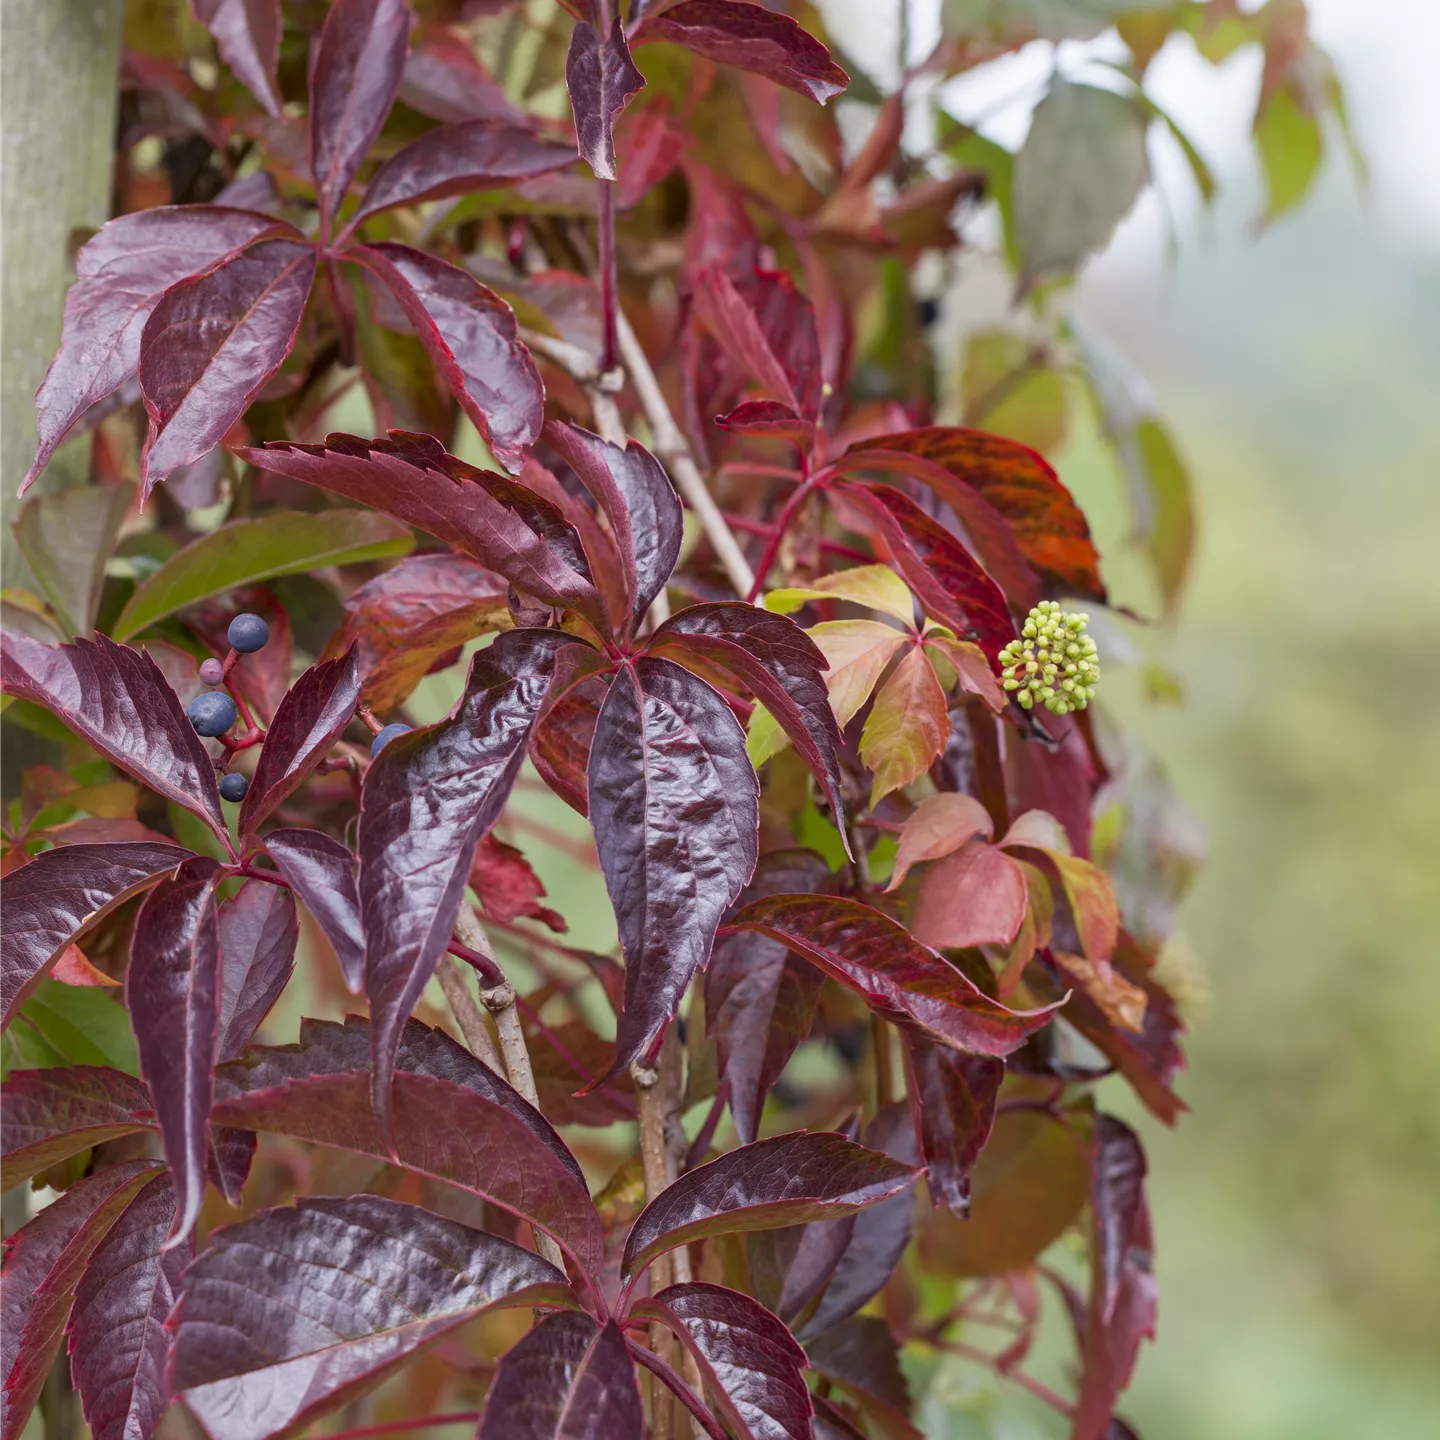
x=212 y=672
x=233 y=787
x=386 y=736
x=212 y=713
x=248 y=633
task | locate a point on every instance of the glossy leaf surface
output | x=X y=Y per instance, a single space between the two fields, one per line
x=784 y=1181
x=247 y=35
x=118 y=700
x=601 y=77
x=258 y=931
x=322 y=873
x=908 y=725
x=954 y=1097
x=296 y=1310
x=54 y=1113
x=674 y=803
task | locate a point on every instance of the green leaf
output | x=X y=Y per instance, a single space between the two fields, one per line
x=67 y=536
x=972 y=151
x=1007 y=388
x=1171 y=541
x=1014 y=20
x=1290 y=147
x=1080 y=170
x=82 y=1024
x=287 y=542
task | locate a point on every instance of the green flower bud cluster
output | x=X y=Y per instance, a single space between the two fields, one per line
x=1054 y=661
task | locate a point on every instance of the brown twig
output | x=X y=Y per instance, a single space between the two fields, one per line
x=467 y=1014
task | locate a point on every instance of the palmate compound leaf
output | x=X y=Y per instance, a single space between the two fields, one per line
x=316 y=708
x=295 y=1311
x=119 y=701
x=455 y=1119
x=787 y=1180
x=44 y=1261
x=502 y=524
x=428 y=800
x=750 y=1363
x=600 y=77
x=779 y=663
x=568 y=1379
x=173 y=994
x=122 y=272
x=321 y=871
x=750 y=37
x=119 y=1343
x=61 y=892
x=674 y=802
x=900 y=979
x=211 y=343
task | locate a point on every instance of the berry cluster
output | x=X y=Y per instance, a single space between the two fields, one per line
x=213 y=712
x=1054 y=661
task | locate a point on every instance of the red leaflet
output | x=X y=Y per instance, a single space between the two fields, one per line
x=769 y=418
x=779 y=663
x=750 y=1363
x=210 y=345
x=1048 y=525
x=560 y=747
x=751 y=37
x=123 y=271
x=759 y=998
x=258 y=931
x=249 y=1366
x=508 y=887
x=247 y=35
x=311 y=716
x=445 y=81
x=502 y=524
x=57 y=895
x=172 y=990
x=948 y=581
x=470 y=334
x=939 y=826
x=892 y=972
x=974 y=897
x=52 y=1114
x=861 y=1356
x=456 y=159
x=429 y=798
x=355 y=69
x=44 y=1261
x=652 y=144
x=322 y=872
x=636 y=497
x=674 y=803
x=119 y=1346
x=785 y=1181
x=953 y=1100
x=568 y=1378
x=118 y=700
x=601 y=78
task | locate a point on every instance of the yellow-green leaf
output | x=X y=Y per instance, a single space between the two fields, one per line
x=877 y=587
x=858 y=652
x=907 y=728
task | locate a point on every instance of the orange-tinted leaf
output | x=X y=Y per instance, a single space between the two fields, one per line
x=858 y=652
x=972 y=669
x=974 y=897
x=940 y=825
x=907 y=725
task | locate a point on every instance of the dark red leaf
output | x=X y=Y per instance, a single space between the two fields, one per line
x=759 y=998
x=295 y=1311
x=508 y=887
x=122 y=273
x=789 y=1268
x=601 y=78
x=456 y=159
x=674 y=803
x=355 y=69
x=118 y=700
x=258 y=931
x=232 y=1153
x=947 y=580
x=833 y=1422
x=445 y=81
x=210 y=345
x=44 y=1261
x=783 y=1181
x=900 y=979
x=768 y=327
x=173 y=993
x=471 y=336
x=247 y=35
x=502 y=524
x=119 y=1346
x=52 y=1114
x=1049 y=526
x=57 y=895
x=862 y=1357
x=637 y=499
x=652 y=144
x=769 y=418
x=316 y=709
x=560 y=748
x=568 y=1379
x=322 y=872
x=751 y=37
x=429 y=798
x=453 y=1118
x=750 y=1362
x=953 y=1098
x=780 y=664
